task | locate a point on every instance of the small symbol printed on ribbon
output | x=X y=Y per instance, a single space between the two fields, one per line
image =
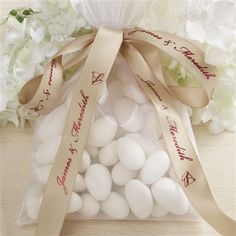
x=97 y=78
x=187 y=179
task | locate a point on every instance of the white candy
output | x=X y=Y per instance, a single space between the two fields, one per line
x=114 y=90
x=120 y=174
x=98 y=181
x=108 y=155
x=75 y=203
x=158 y=211
x=79 y=184
x=130 y=153
x=84 y=163
x=90 y=205
x=139 y=198
x=52 y=124
x=147 y=107
x=115 y=206
x=128 y=115
x=102 y=131
x=155 y=167
x=148 y=146
x=151 y=128
x=33 y=201
x=133 y=92
x=42 y=173
x=170 y=196
x=92 y=151
x=120 y=133
x=47 y=150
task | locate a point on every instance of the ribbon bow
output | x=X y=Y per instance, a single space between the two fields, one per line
x=140 y=49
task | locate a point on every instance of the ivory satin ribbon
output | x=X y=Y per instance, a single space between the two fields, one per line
x=140 y=48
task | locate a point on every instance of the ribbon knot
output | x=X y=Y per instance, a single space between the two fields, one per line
x=140 y=48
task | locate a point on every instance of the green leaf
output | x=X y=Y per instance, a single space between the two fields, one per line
x=20 y=18
x=13 y=12
x=80 y=32
x=26 y=12
x=31 y=11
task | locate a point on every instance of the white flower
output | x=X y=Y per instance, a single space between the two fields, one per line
x=213 y=23
x=26 y=48
x=166 y=15
x=16 y=30
x=221 y=111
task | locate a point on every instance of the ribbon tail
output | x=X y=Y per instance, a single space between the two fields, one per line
x=41 y=93
x=181 y=151
x=65 y=167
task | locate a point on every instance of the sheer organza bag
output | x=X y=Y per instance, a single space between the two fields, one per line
x=125 y=171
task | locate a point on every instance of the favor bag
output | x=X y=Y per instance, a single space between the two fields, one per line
x=115 y=141
x=125 y=161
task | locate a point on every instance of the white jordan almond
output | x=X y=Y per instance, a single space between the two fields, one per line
x=151 y=128
x=108 y=154
x=128 y=115
x=155 y=167
x=75 y=203
x=130 y=153
x=52 y=124
x=98 y=181
x=132 y=91
x=33 y=201
x=85 y=162
x=47 y=150
x=102 y=131
x=42 y=173
x=148 y=146
x=115 y=206
x=79 y=184
x=114 y=90
x=158 y=211
x=92 y=151
x=120 y=174
x=139 y=198
x=170 y=196
x=90 y=206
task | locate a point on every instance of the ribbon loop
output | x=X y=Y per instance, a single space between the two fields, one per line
x=41 y=93
x=183 y=52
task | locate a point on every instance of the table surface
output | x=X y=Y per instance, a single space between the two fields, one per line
x=217 y=155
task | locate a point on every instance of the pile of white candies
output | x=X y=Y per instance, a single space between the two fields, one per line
x=124 y=171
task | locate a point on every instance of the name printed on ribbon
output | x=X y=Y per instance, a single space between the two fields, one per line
x=182 y=49
x=46 y=91
x=173 y=128
x=73 y=149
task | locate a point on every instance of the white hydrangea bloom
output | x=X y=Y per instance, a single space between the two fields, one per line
x=166 y=15
x=211 y=24
x=28 y=45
